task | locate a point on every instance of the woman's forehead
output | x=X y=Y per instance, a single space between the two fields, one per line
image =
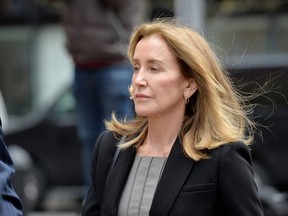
x=154 y=47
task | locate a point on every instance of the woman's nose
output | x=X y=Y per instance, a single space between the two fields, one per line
x=140 y=79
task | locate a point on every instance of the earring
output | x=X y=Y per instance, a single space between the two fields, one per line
x=186 y=99
x=130 y=90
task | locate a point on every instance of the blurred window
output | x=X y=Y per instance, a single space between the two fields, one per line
x=15 y=69
x=66 y=103
x=20 y=22
x=63 y=111
x=248 y=26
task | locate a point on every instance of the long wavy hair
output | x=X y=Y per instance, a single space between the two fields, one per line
x=215 y=115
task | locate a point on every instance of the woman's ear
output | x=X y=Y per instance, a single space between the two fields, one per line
x=191 y=87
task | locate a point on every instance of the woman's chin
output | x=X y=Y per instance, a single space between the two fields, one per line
x=143 y=113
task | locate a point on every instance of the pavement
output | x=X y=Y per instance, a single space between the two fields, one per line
x=61 y=202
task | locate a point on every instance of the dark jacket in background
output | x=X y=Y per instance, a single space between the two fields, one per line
x=10 y=204
x=99 y=30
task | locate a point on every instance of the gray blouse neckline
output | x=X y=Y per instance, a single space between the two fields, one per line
x=141 y=185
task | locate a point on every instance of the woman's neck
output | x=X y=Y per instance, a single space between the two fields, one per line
x=162 y=133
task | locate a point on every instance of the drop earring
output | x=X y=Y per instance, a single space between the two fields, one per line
x=130 y=90
x=186 y=99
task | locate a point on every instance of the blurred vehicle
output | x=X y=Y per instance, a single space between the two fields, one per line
x=46 y=151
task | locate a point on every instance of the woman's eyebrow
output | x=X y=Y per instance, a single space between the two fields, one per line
x=150 y=61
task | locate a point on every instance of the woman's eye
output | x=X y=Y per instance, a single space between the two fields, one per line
x=135 y=67
x=154 y=69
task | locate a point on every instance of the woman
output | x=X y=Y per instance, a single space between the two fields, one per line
x=186 y=152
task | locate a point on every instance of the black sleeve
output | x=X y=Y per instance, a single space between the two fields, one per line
x=102 y=157
x=238 y=193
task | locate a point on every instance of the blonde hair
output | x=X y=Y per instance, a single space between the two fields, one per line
x=215 y=114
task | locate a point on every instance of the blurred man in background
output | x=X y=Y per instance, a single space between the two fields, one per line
x=97 y=33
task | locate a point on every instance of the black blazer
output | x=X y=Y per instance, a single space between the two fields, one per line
x=222 y=185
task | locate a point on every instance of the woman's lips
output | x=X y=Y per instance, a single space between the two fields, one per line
x=141 y=96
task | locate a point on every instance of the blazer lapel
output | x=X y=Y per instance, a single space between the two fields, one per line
x=176 y=170
x=116 y=180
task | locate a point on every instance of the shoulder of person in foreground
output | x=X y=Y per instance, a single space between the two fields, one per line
x=10 y=203
x=238 y=192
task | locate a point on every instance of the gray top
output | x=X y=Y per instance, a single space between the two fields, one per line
x=141 y=185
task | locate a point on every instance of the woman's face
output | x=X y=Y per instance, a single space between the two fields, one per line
x=158 y=84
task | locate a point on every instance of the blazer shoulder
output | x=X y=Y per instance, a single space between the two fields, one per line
x=229 y=153
x=107 y=139
x=230 y=156
x=236 y=181
x=105 y=145
x=228 y=148
x=236 y=148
